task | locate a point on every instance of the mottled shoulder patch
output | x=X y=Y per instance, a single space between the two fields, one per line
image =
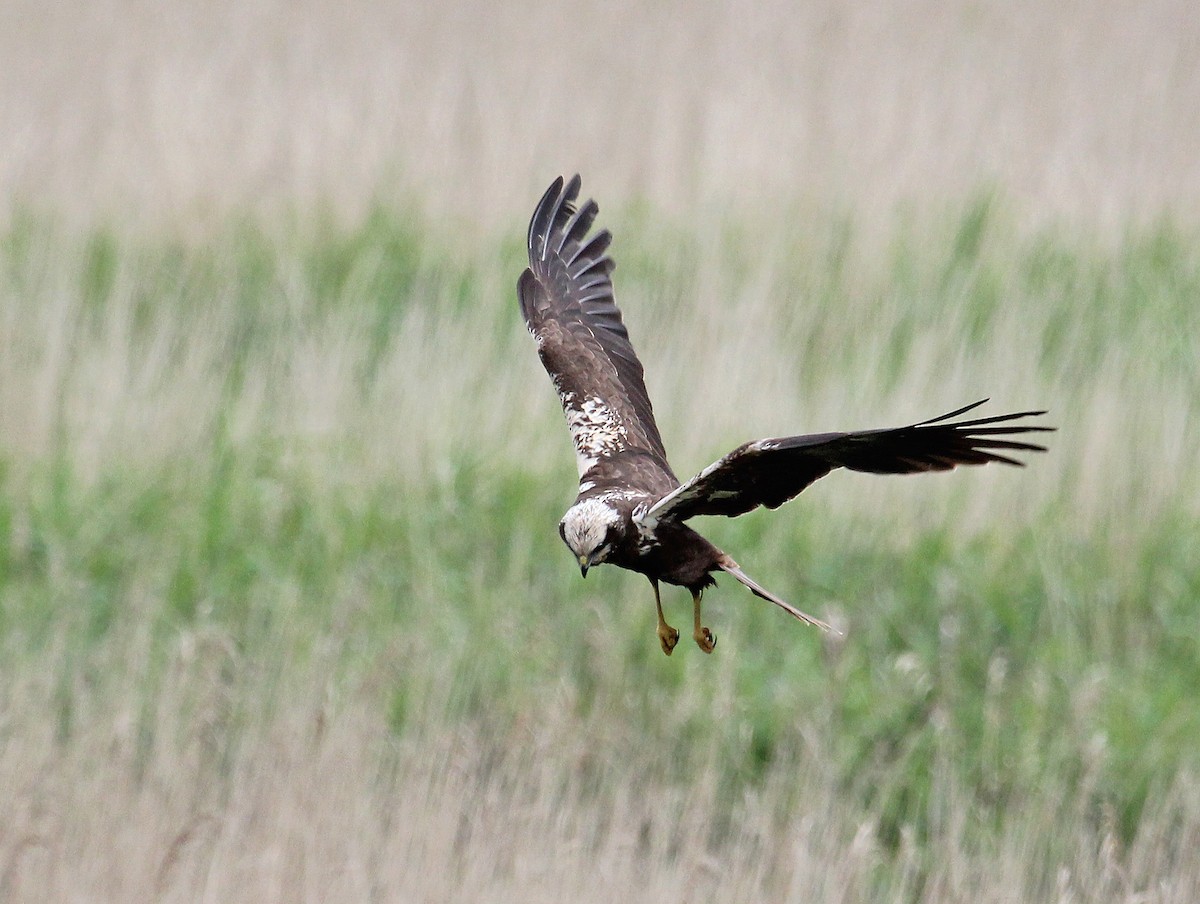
x=596 y=430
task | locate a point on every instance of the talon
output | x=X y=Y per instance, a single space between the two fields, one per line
x=668 y=637
x=704 y=637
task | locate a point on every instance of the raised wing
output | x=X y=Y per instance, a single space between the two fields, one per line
x=771 y=471
x=566 y=296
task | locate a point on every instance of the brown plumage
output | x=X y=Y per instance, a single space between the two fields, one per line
x=631 y=508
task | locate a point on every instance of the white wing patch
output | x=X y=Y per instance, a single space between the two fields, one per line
x=596 y=430
x=683 y=493
x=646 y=538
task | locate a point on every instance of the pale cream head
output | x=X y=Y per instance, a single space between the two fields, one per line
x=590 y=528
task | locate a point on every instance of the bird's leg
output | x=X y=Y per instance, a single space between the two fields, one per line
x=704 y=637
x=667 y=636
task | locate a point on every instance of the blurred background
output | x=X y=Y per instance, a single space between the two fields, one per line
x=155 y=111
x=283 y=612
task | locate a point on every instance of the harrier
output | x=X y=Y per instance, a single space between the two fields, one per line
x=631 y=509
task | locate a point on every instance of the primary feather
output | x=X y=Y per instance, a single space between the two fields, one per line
x=769 y=472
x=567 y=299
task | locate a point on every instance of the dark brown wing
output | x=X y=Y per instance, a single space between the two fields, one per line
x=566 y=296
x=771 y=471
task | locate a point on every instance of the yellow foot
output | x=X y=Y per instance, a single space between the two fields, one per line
x=704 y=637
x=668 y=637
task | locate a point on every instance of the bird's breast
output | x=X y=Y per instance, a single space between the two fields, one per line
x=671 y=552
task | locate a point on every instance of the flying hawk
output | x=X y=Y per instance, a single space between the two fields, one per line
x=631 y=509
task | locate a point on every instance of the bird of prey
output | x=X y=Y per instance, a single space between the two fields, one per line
x=631 y=509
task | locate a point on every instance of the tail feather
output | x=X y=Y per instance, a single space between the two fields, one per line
x=731 y=567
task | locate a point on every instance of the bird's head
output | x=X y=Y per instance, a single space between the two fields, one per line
x=591 y=528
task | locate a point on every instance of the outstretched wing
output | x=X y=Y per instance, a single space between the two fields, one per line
x=566 y=296
x=771 y=471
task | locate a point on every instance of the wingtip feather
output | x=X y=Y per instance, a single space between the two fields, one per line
x=539 y=215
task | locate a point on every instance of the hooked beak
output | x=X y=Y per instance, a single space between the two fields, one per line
x=583 y=565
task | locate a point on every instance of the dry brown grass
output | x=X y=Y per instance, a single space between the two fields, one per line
x=320 y=803
x=171 y=112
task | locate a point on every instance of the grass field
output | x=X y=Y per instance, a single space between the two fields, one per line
x=283 y=611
